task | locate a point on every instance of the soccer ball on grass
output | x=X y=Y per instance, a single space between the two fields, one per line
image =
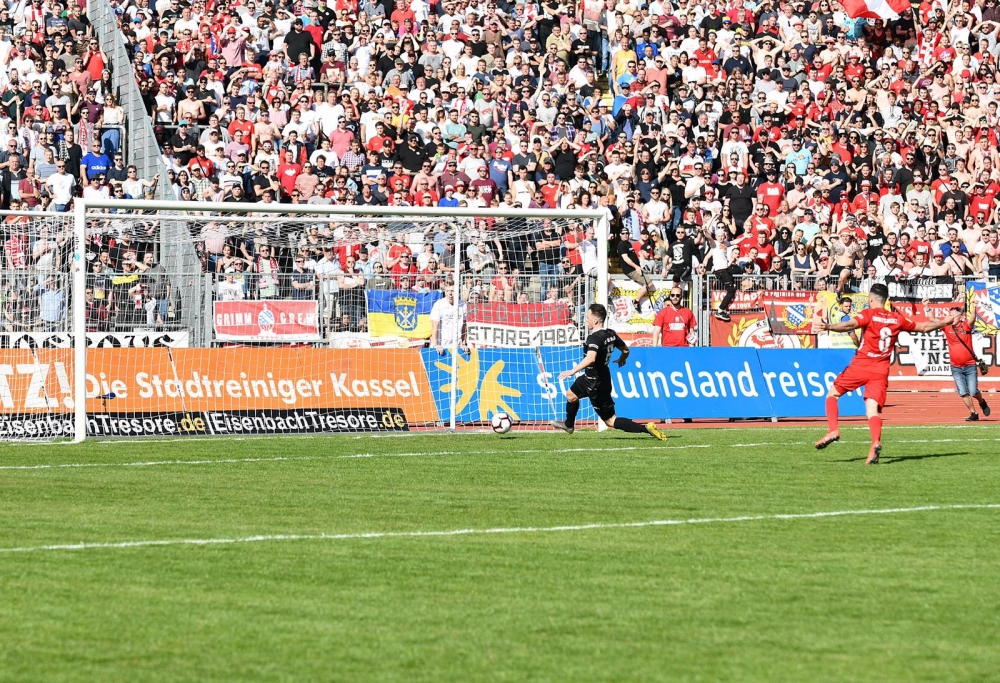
x=501 y=423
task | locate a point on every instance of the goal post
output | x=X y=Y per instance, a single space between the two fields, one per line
x=309 y=318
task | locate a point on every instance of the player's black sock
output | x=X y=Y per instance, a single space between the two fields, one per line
x=571 y=408
x=626 y=425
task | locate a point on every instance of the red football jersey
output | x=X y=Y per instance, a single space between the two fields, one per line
x=959 y=338
x=674 y=324
x=882 y=328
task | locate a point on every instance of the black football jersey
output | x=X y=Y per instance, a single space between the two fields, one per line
x=602 y=342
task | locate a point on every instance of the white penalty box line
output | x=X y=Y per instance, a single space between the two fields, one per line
x=388 y=535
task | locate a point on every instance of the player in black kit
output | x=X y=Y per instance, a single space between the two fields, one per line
x=595 y=383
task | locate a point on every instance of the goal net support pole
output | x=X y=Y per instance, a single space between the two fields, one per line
x=79 y=313
x=456 y=342
x=603 y=274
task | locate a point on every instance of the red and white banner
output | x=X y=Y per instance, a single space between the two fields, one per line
x=522 y=325
x=752 y=330
x=279 y=320
x=763 y=299
x=875 y=9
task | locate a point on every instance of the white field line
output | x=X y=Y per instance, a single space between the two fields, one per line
x=398 y=435
x=375 y=535
x=351 y=456
x=430 y=454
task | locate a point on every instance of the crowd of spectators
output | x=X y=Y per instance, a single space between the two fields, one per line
x=336 y=262
x=780 y=140
x=696 y=125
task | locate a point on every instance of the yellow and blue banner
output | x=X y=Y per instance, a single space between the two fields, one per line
x=400 y=313
x=656 y=383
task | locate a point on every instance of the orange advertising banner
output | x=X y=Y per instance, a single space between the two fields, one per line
x=158 y=380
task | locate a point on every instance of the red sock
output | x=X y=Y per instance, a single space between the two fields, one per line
x=832 y=413
x=875 y=426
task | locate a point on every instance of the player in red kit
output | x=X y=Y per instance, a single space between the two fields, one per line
x=870 y=366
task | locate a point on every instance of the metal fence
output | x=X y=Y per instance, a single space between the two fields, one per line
x=129 y=301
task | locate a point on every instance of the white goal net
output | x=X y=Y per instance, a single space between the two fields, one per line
x=218 y=319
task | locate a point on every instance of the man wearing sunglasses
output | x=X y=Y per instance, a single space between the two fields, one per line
x=675 y=324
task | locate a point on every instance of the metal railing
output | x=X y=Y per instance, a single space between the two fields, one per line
x=143 y=150
x=177 y=253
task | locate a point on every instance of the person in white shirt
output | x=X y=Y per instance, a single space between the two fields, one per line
x=60 y=186
x=588 y=252
x=447 y=323
x=231 y=290
x=327 y=270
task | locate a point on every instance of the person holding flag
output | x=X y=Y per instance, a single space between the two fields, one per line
x=965 y=365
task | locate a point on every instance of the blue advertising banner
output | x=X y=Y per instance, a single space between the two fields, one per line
x=504 y=380
x=796 y=381
x=657 y=383
x=660 y=383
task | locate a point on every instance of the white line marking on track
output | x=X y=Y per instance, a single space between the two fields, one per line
x=351 y=456
x=264 y=538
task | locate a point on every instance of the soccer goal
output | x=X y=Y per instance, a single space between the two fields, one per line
x=175 y=319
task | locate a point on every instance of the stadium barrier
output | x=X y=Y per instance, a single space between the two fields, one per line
x=777 y=319
x=184 y=391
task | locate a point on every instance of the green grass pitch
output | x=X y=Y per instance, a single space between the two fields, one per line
x=291 y=588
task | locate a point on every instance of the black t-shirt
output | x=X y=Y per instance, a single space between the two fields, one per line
x=759 y=152
x=298 y=43
x=578 y=48
x=961 y=202
x=875 y=243
x=548 y=255
x=676 y=190
x=603 y=343
x=178 y=142
x=565 y=163
x=741 y=201
x=412 y=159
x=624 y=249
x=681 y=252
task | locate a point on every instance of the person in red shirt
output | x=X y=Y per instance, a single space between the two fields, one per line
x=241 y=123
x=288 y=171
x=396 y=252
x=674 y=325
x=870 y=366
x=980 y=201
x=771 y=192
x=865 y=200
x=765 y=251
x=403 y=267
x=964 y=368
x=760 y=221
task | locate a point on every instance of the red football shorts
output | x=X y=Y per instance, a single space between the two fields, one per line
x=874 y=377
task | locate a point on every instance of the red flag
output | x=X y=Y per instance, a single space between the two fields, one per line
x=874 y=9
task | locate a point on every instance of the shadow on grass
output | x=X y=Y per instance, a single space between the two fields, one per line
x=901 y=458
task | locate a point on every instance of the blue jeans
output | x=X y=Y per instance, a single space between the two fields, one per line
x=966 y=379
x=547 y=270
x=602 y=46
x=675 y=218
x=111 y=140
